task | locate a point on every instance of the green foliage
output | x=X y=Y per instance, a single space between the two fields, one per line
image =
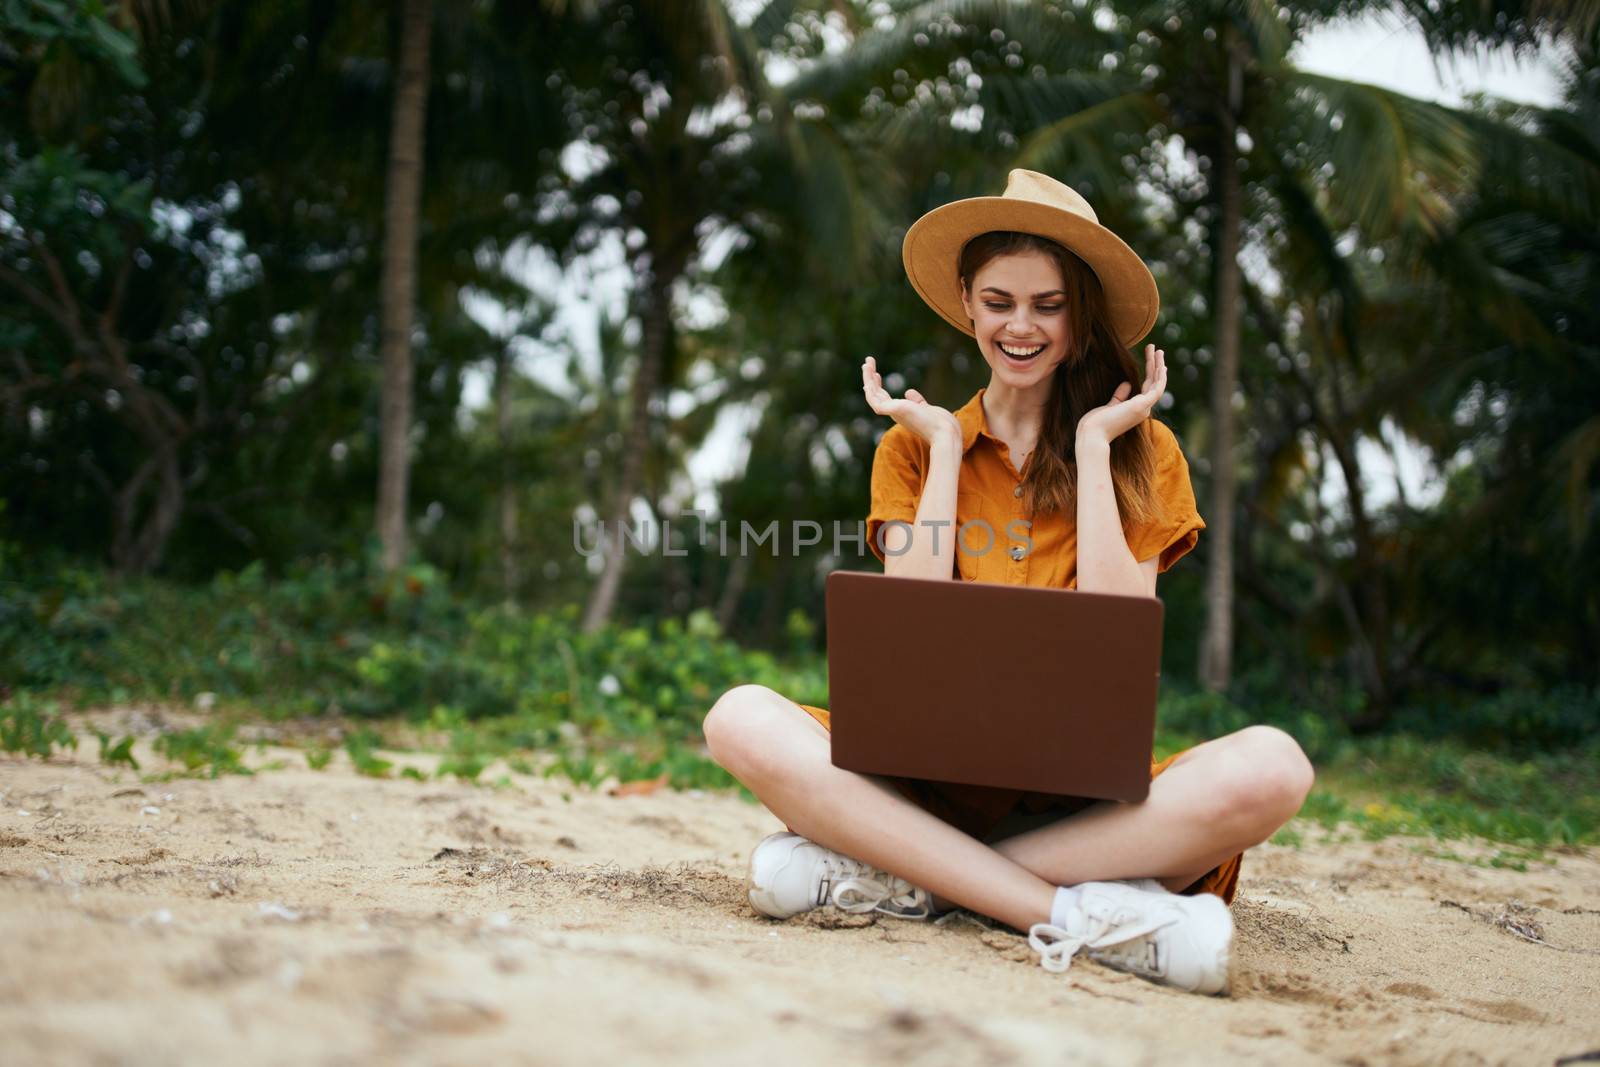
x=1186 y=716
x=469 y=751
x=33 y=728
x=362 y=746
x=58 y=193
x=1518 y=720
x=114 y=752
x=206 y=747
x=1407 y=785
x=80 y=26
x=491 y=683
x=332 y=639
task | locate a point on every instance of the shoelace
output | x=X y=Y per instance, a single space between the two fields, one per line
x=1141 y=957
x=852 y=886
x=1103 y=933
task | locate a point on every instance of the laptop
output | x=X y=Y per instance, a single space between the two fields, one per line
x=982 y=683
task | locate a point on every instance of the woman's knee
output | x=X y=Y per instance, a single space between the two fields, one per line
x=727 y=725
x=744 y=730
x=1265 y=781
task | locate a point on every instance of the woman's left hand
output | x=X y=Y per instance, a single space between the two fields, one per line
x=1126 y=410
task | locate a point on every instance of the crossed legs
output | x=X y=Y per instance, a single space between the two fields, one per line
x=1215 y=800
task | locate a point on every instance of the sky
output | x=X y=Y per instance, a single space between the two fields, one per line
x=1386 y=52
x=1381 y=51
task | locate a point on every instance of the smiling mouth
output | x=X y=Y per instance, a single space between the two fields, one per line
x=1017 y=353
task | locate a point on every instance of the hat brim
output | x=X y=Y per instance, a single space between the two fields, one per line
x=932 y=249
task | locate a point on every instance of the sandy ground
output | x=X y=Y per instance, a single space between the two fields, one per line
x=322 y=917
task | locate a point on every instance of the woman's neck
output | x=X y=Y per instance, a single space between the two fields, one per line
x=1013 y=414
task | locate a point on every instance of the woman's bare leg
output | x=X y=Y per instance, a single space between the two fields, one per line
x=782 y=754
x=1240 y=788
x=1221 y=803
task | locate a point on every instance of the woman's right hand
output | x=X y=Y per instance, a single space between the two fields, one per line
x=911 y=411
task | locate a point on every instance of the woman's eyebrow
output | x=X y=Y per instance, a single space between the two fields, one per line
x=1036 y=296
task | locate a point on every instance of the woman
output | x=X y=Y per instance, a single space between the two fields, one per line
x=1060 y=439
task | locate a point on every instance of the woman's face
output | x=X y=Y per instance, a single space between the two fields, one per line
x=1019 y=314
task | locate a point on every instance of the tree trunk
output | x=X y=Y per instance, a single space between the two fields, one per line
x=139 y=536
x=732 y=592
x=657 y=311
x=1216 y=641
x=1369 y=622
x=508 y=496
x=774 y=595
x=401 y=208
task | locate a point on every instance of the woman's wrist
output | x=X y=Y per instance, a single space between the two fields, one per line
x=1091 y=445
x=946 y=441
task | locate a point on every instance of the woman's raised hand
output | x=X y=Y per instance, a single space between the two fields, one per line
x=911 y=411
x=1126 y=409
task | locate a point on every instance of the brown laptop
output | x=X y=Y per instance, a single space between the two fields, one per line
x=1051 y=690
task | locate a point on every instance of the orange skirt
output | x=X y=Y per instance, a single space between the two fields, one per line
x=978 y=809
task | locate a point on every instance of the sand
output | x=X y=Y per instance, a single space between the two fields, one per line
x=323 y=917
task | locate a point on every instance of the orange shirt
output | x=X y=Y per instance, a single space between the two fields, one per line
x=990 y=489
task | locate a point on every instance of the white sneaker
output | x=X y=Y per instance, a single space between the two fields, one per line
x=1140 y=927
x=789 y=875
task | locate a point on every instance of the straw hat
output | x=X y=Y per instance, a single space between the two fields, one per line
x=1038 y=204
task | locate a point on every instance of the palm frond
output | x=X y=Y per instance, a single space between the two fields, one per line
x=1269 y=33
x=925 y=38
x=1400 y=164
x=1543 y=159
x=1085 y=141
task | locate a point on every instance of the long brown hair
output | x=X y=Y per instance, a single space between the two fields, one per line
x=1096 y=363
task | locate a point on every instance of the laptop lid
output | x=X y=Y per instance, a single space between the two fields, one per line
x=1050 y=690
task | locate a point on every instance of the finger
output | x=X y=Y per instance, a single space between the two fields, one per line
x=873 y=392
x=1155 y=376
x=869 y=377
x=912 y=394
x=1122 y=393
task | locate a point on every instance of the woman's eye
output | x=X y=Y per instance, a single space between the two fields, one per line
x=995 y=305
x=1049 y=307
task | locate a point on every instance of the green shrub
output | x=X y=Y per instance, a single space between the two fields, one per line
x=496 y=682
x=362 y=747
x=116 y=752
x=33 y=728
x=209 y=747
x=1517 y=720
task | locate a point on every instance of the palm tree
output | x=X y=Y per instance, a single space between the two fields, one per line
x=671 y=93
x=402 y=201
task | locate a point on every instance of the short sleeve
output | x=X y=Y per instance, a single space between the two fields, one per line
x=1176 y=530
x=897 y=479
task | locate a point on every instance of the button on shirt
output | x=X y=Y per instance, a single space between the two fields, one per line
x=997 y=539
